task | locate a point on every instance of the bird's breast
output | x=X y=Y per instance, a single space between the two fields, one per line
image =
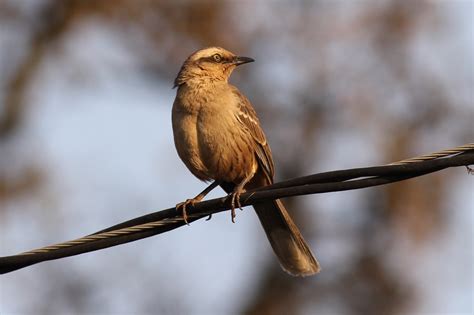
x=209 y=139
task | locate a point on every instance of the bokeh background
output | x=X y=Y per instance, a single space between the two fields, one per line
x=86 y=142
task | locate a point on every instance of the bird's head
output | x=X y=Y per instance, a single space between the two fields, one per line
x=209 y=64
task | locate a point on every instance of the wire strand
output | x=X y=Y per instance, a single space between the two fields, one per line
x=437 y=155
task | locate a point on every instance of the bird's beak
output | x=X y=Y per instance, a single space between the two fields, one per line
x=241 y=60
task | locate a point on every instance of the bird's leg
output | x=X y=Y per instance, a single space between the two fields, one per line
x=235 y=196
x=182 y=205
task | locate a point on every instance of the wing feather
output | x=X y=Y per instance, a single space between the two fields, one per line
x=247 y=116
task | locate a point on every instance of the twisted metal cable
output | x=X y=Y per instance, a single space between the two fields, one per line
x=437 y=155
x=165 y=220
x=110 y=234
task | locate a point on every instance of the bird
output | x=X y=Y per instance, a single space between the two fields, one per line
x=218 y=136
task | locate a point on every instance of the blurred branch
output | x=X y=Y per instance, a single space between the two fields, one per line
x=169 y=219
x=58 y=17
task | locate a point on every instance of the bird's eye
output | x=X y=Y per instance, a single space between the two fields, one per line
x=217 y=57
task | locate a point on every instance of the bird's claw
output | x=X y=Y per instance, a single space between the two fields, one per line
x=470 y=171
x=235 y=200
x=181 y=207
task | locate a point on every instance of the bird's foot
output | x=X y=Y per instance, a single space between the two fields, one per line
x=470 y=171
x=181 y=207
x=235 y=203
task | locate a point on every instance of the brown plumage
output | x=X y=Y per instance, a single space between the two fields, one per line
x=218 y=136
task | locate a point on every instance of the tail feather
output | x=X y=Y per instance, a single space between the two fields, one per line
x=286 y=240
x=294 y=254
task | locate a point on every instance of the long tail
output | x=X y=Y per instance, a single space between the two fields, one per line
x=287 y=242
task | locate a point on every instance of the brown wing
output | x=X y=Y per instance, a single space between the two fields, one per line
x=248 y=118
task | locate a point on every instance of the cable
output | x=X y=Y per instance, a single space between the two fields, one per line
x=166 y=220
